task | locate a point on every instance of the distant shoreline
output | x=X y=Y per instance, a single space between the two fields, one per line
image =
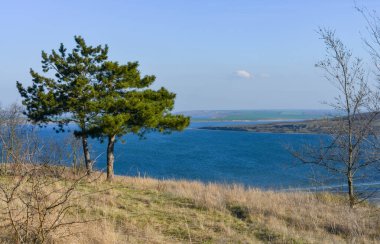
x=296 y=126
x=247 y=120
x=315 y=126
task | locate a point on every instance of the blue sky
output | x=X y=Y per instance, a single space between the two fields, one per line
x=215 y=54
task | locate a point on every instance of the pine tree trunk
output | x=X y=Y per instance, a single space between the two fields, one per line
x=110 y=157
x=87 y=157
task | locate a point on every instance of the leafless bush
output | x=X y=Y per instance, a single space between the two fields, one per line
x=38 y=193
x=65 y=152
x=36 y=205
x=18 y=140
x=75 y=154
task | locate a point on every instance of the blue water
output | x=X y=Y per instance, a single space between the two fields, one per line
x=252 y=159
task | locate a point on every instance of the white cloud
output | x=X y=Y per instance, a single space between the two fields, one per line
x=244 y=74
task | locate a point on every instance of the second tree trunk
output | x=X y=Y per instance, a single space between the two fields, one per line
x=110 y=157
x=87 y=157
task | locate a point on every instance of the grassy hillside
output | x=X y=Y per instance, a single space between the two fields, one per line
x=144 y=210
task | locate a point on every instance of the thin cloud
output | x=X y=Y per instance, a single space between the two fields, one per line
x=244 y=74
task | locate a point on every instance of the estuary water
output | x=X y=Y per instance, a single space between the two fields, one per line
x=251 y=159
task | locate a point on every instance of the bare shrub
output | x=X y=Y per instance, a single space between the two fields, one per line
x=38 y=193
x=36 y=205
x=18 y=140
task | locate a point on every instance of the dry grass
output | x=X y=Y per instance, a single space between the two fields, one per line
x=144 y=210
x=278 y=216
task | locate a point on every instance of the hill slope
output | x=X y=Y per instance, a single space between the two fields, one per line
x=143 y=210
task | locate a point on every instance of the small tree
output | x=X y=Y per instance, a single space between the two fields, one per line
x=351 y=148
x=126 y=105
x=69 y=95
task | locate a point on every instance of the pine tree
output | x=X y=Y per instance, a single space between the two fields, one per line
x=70 y=95
x=105 y=99
x=127 y=105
